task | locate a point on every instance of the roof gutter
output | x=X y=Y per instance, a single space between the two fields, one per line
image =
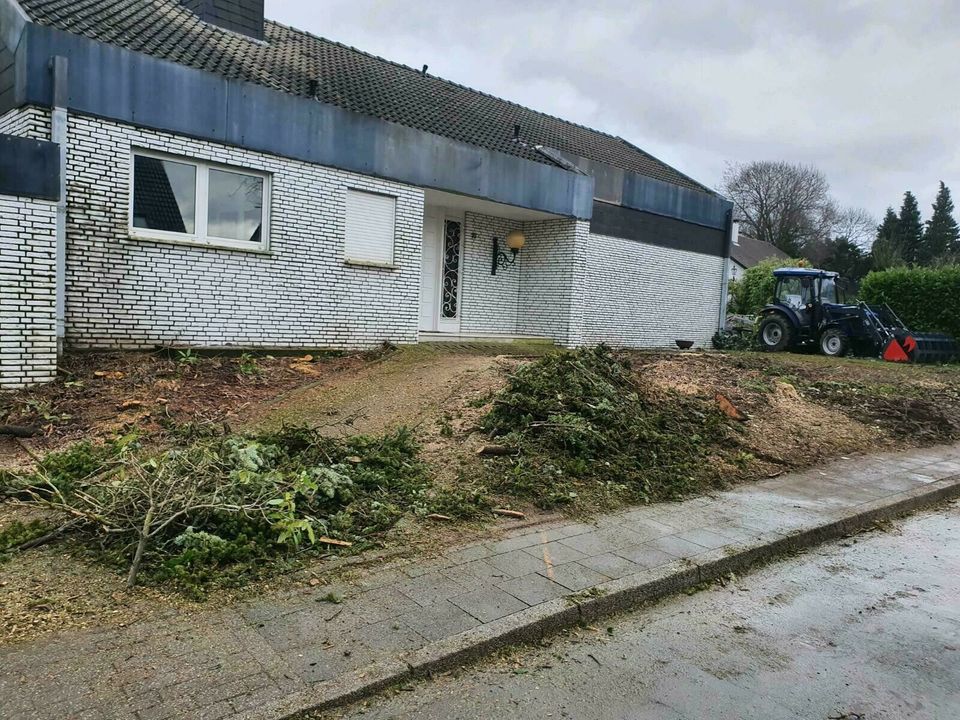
x=731 y=230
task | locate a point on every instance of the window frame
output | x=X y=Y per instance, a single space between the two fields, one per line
x=199 y=237
x=360 y=262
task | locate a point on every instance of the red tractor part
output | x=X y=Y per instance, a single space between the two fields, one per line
x=893 y=352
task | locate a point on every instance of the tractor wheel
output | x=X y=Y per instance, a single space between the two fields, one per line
x=834 y=342
x=776 y=333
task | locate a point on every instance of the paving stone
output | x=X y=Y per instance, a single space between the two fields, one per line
x=704 y=537
x=646 y=556
x=430 y=588
x=574 y=576
x=513 y=543
x=555 y=551
x=439 y=620
x=677 y=546
x=475 y=574
x=489 y=604
x=471 y=552
x=613 y=566
x=517 y=562
x=533 y=589
x=564 y=531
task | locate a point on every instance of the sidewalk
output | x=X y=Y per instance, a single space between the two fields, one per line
x=275 y=656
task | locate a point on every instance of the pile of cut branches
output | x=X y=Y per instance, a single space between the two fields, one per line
x=223 y=507
x=585 y=428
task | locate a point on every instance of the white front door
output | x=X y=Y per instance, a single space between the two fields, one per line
x=440 y=274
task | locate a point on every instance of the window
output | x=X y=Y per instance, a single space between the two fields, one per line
x=185 y=200
x=369 y=228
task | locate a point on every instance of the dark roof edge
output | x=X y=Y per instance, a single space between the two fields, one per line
x=495 y=97
x=147 y=91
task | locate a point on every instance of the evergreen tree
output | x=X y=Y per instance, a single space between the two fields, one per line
x=886 y=251
x=910 y=230
x=942 y=234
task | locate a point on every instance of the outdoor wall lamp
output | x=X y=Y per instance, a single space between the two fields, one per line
x=515 y=241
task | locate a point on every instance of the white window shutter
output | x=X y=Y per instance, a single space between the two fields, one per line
x=370 y=227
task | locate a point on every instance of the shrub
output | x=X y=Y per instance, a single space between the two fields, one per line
x=584 y=423
x=750 y=293
x=926 y=299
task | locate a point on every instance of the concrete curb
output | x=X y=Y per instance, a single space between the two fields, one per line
x=609 y=598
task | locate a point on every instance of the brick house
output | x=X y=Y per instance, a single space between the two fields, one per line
x=187 y=173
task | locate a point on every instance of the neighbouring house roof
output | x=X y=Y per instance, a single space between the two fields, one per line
x=749 y=251
x=299 y=63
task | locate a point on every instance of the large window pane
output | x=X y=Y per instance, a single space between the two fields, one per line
x=235 y=206
x=164 y=195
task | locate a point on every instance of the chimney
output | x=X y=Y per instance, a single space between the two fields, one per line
x=242 y=16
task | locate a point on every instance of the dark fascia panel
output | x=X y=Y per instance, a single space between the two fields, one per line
x=639 y=192
x=654 y=229
x=29 y=168
x=114 y=83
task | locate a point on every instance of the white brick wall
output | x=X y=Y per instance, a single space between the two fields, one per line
x=488 y=302
x=131 y=293
x=634 y=294
x=547 y=277
x=28 y=341
x=29 y=122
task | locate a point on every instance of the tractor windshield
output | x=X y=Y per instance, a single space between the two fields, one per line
x=830 y=292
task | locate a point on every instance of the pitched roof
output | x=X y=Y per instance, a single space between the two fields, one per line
x=749 y=251
x=299 y=63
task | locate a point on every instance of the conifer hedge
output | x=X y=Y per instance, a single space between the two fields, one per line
x=926 y=299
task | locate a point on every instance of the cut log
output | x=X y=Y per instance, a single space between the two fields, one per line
x=729 y=409
x=495 y=450
x=508 y=513
x=22 y=431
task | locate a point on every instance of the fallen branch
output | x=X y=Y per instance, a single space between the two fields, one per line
x=508 y=513
x=331 y=541
x=438 y=516
x=50 y=536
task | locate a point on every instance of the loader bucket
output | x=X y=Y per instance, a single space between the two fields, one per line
x=893 y=352
x=930 y=348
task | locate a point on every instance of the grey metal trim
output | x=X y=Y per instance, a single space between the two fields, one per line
x=29 y=168
x=121 y=85
x=653 y=229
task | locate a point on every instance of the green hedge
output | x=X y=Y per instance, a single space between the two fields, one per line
x=750 y=293
x=926 y=299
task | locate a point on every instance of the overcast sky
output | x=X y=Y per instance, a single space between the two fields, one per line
x=867 y=91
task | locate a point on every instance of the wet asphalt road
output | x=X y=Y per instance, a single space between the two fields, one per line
x=866 y=628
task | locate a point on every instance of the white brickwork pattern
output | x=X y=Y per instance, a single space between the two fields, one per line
x=488 y=302
x=28 y=340
x=28 y=122
x=634 y=294
x=126 y=293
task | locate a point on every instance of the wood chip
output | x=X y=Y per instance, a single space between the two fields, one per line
x=508 y=513
x=331 y=541
x=728 y=408
x=438 y=516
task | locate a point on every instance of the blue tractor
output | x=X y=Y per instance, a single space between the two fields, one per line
x=809 y=310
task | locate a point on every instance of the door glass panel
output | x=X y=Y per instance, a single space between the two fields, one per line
x=235 y=206
x=450 y=274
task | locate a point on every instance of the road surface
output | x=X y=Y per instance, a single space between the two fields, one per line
x=866 y=628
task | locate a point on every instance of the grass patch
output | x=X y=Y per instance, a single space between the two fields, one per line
x=588 y=431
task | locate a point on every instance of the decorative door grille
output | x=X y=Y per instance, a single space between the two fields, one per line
x=451 y=269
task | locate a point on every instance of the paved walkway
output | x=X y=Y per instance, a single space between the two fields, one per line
x=243 y=660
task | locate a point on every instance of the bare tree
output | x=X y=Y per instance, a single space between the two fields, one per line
x=783 y=204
